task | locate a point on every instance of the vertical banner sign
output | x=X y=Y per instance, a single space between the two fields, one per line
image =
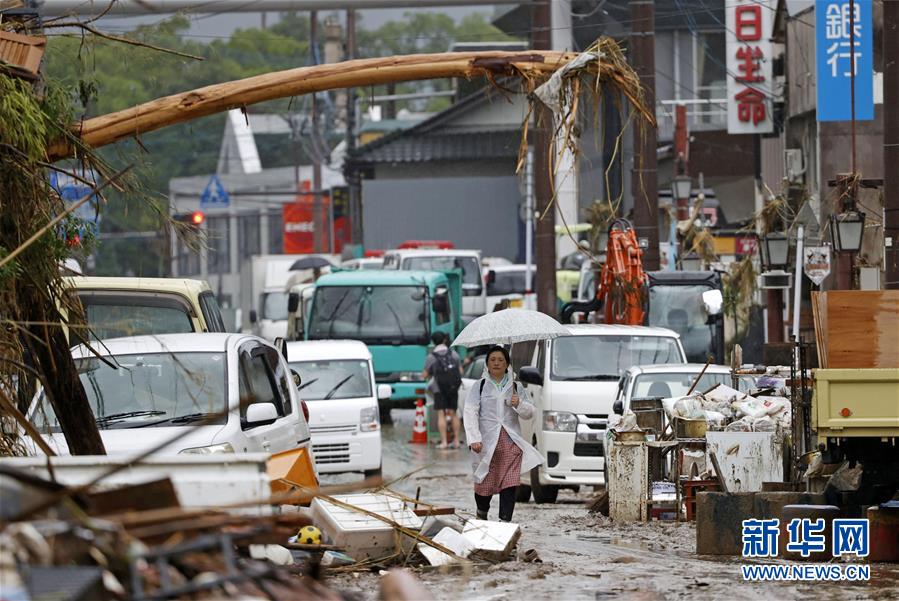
x=833 y=58
x=749 y=82
x=298 y=223
x=340 y=196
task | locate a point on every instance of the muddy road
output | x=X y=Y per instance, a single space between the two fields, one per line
x=584 y=556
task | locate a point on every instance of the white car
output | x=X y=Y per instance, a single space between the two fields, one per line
x=474 y=293
x=363 y=263
x=338 y=383
x=508 y=282
x=573 y=381
x=222 y=393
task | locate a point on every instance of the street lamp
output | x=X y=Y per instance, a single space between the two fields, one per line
x=681 y=187
x=775 y=250
x=846 y=231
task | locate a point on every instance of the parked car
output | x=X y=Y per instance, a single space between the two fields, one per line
x=508 y=282
x=471 y=373
x=338 y=384
x=221 y=393
x=363 y=263
x=117 y=307
x=573 y=381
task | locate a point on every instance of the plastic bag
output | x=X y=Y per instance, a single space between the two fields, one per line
x=751 y=407
x=628 y=422
x=723 y=393
x=764 y=424
x=689 y=408
x=715 y=420
x=744 y=424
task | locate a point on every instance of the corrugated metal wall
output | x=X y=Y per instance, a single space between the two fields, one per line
x=801 y=62
x=773 y=162
x=473 y=212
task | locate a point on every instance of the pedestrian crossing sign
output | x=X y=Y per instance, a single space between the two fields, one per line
x=214 y=195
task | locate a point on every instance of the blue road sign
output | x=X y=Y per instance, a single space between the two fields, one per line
x=214 y=196
x=72 y=190
x=834 y=60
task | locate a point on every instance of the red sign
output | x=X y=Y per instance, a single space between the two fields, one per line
x=299 y=222
x=745 y=245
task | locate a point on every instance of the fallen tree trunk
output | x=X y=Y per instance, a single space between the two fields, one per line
x=177 y=108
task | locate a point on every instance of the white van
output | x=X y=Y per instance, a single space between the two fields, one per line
x=338 y=383
x=573 y=382
x=508 y=283
x=221 y=393
x=474 y=293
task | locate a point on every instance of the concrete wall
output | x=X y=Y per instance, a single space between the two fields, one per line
x=473 y=212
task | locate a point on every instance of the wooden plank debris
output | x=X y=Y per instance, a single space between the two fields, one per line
x=858 y=328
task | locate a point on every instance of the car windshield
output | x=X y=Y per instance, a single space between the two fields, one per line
x=128 y=391
x=372 y=314
x=607 y=357
x=274 y=306
x=680 y=308
x=333 y=379
x=674 y=384
x=126 y=316
x=507 y=282
x=471 y=270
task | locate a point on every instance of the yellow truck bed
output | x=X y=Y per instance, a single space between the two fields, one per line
x=855 y=403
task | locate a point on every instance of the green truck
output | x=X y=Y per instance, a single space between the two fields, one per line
x=394 y=313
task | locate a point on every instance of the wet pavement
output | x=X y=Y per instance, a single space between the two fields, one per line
x=585 y=556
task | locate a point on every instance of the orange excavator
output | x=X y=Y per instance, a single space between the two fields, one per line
x=621 y=291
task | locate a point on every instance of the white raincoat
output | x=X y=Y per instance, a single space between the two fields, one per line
x=485 y=414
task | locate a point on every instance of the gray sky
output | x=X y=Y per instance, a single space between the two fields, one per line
x=210 y=27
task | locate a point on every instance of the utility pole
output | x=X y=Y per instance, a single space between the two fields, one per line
x=349 y=170
x=545 y=234
x=318 y=220
x=644 y=182
x=891 y=143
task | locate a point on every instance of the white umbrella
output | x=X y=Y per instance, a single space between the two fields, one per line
x=509 y=326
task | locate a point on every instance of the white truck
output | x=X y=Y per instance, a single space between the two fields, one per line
x=474 y=292
x=264 y=294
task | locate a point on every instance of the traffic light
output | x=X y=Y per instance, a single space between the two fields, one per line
x=193 y=220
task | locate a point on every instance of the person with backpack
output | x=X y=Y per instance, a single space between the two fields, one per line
x=499 y=453
x=443 y=370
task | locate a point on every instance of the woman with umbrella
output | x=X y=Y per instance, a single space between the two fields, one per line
x=499 y=453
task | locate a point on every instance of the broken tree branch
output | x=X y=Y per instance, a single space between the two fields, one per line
x=178 y=108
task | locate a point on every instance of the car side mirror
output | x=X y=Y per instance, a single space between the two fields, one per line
x=530 y=375
x=491 y=277
x=297 y=380
x=293 y=302
x=259 y=414
x=713 y=301
x=384 y=392
x=254 y=317
x=618 y=407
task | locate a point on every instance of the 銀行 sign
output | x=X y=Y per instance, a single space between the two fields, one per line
x=749 y=82
x=834 y=23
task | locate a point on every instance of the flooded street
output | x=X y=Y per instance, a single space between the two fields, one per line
x=585 y=556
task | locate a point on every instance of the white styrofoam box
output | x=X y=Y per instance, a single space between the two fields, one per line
x=363 y=536
x=495 y=538
x=452 y=540
x=747 y=458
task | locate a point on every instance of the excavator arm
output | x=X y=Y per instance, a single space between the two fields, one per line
x=621 y=291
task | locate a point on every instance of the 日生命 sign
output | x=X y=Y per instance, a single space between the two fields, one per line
x=749 y=24
x=835 y=22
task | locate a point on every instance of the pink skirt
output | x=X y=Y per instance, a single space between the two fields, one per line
x=505 y=467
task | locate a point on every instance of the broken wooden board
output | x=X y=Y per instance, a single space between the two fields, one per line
x=858 y=329
x=449 y=538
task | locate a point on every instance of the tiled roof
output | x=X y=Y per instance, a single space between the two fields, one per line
x=443 y=146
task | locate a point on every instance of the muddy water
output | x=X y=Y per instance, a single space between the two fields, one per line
x=584 y=556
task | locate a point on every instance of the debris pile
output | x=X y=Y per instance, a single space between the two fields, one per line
x=138 y=542
x=765 y=409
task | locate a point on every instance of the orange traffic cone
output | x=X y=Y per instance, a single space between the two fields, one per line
x=420 y=425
